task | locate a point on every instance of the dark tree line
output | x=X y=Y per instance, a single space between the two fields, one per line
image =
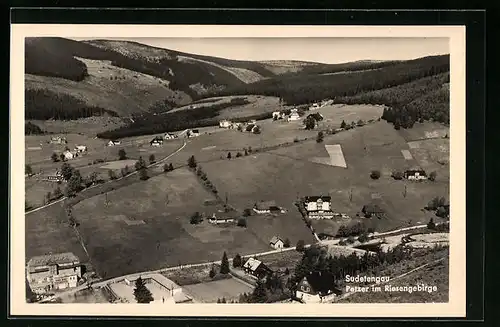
x=303 y=89
x=32 y=129
x=44 y=104
x=179 y=120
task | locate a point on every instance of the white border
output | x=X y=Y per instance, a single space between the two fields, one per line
x=457 y=301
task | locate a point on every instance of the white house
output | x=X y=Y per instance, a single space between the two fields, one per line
x=278 y=115
x=256 y=268
x=113 y=142
x=58 y=140
x=225 y=124
x=415 y=175
x=317 y=287
x=193 y=133
x=80 y=148
x=294 y=115
x=222 y=218
x=68 y=155
x=277 y=243
x=169 y=136
x=318 y=207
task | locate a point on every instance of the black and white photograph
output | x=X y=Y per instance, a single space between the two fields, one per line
x=182 y=166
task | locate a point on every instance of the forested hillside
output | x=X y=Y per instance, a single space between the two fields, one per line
x=43 y=104
x=301 y=89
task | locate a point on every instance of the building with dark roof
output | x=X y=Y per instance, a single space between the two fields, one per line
x=317 y=287
x=415 y=174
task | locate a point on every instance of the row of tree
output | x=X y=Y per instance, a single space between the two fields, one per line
x=44 y=104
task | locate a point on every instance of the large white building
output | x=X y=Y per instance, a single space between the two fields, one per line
x=319 y=207
x=53 y=272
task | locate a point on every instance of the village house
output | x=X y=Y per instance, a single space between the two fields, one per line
x=222 y=218
x=113 y=142
x=415 y=174
x=157 y=141
x=58 y=140
x=256 y=268
x=169 y=136
x=193 y=133
x=56 y=177
x=80 y=148
x=53 y=272
x=319 y=207
x=264 y=207
x=277 y=243
x=294 y=115
x=225 y=124
x=317 y=287
x=314 y=106
x=278 y=115
x=68 y=155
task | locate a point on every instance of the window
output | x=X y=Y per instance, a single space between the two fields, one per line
x=305 y=288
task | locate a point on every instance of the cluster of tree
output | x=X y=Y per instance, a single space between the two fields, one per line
x=317 y=259
x=72 y=176
x=44 y=104
x=195 y=218
x=320 y=137
x=162 y=106
x=375 y=174
x=28 y=170
x=440 y=206
x=242 y=222
x=356 y=66
x=142 y=168
x=54 y=195
x=310 y=88
x=398 y=175
x=122 y=155
x=353 y=230
x=168 y=167
x=202 y=175
x=32 y=129
x=175 y=121
x=268 y=289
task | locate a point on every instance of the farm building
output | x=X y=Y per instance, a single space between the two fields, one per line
x=372 y=210
x=314 y=106
x=81 y=148
x=113 y=142
x=58 y=140
x=263 y=207
x=68 y=155
x=256 y=268
x=294 y=116
x=225 y=124
x=277 y=242
x=317 y=287
x=222 y=218
x=157 y=141
x=416 y=174
x=318 y=207
x=193 y=133
x=169 y=136
x=53 y=272
x=57 y=177
x=278 y=115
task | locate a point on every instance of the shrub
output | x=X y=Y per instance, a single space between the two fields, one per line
x=122 y=155
x=300 y=247
x=432 y=176
x=286 y=243
x=375 y=174
x=242 y=222
x=238 y=154
x=152 y=159
x=195 y=218
x=397 y=175
x=431 y=225
x=320 y=137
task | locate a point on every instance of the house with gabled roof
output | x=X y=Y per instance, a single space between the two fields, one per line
x=317 y=287
x=264 y=207
x=256 y=268
x=319 y=207
x=276 y=242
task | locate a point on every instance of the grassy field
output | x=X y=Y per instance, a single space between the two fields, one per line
x=373 y=147
x=435 y=274
x=85 y=296
x=87 y=126
x=427 y=130
x=194 y=275
x=230 y=289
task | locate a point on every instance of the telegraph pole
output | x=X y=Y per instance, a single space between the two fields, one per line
x=404 y=193
x=350 y=196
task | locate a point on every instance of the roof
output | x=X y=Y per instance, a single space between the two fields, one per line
x=58 y=258
x=413 y=171
x=252 y=264
x=275 y=240
x=316 y=198
x=224 y=215
x=321 y=282
x=265 y=205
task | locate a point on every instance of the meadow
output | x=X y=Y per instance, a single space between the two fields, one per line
x=210 y=292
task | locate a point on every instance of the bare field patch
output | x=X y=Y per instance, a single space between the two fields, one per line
x=230 y=289
x=119 y=164
x=406 y=154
